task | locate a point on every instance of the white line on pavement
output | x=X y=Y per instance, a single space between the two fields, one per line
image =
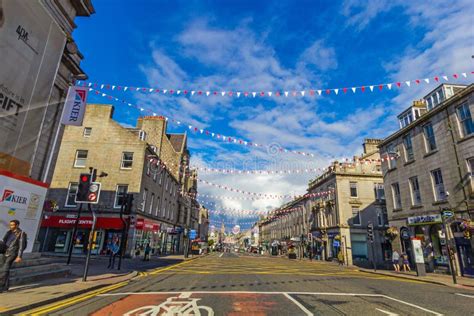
x=465 y=295
x=277 y=293
x=221 y=255
x=386 y=312
x=307 y=312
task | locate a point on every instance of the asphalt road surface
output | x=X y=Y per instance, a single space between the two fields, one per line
x=231 y=284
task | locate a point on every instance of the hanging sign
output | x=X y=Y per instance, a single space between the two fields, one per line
x=75 y=106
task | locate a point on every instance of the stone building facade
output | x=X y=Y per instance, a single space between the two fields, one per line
x=431 y=171
x=355 y=198
x=336 y=212
x=129 y=157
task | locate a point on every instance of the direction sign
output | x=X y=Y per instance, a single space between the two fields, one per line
x=192 y=234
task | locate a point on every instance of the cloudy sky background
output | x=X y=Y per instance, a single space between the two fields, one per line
x=268 y=46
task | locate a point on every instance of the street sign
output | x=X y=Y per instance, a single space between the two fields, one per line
x=192 y=234
x=336 y=243
x=447 y=213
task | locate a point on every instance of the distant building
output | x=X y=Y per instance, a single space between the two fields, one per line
x=203 y=223
x=432 y=171
x=339 y=220
x=129 y=156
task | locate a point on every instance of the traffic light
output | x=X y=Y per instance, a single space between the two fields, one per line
x=128 y=204
x=83 y=187
x=87 y=191
x=370 y=232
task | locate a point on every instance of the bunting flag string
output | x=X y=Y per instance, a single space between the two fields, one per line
x=263 y=195
x=254 y=93
x=196 y=130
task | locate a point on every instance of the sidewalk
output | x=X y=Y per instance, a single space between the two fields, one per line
x=440 y=279
x=44 y=292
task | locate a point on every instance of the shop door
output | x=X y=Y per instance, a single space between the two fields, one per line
x=466 y=256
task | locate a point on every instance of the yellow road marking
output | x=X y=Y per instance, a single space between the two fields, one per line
x=159 y=270
x=67 y=302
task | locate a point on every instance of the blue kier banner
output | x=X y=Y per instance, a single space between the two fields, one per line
x=75 y=106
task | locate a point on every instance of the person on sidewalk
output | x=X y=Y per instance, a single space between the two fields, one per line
x=146 y=257
x=114 y=249
x=406 y=263
x=396 y=261
x=15 y=243
x=340 y=258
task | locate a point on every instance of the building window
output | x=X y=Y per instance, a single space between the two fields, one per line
x=163 y=209
x=409 y=156
x=438 y=185
x=150 y=210
x=356 y=216
x=127 y=160
x=353 y=187
x=470 y=166
x=142 y=135
x=465 y=119
x=392 y=155
x=71 y=195
x=161 y=177
x=379 y=191
x=397 y=201
x=87 y=132
x=120 y=195
x=380 y=219
x=81 y=159
x=415 y=191
x=166 y=184
x=145 y=193
x=430 y=139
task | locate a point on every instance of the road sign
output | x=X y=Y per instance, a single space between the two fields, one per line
x=447 y=213
x=192 y=234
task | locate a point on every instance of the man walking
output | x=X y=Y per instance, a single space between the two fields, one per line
x=15 y=244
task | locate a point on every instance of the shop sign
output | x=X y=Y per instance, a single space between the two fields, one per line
x=142 y=224
x=316 y=234
x=84 y=222
x=424 y=220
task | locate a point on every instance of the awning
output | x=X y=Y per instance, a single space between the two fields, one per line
x=84 y=222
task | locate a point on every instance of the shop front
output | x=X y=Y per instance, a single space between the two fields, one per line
x=147 y=232
x=56 y=233
x=428 y=229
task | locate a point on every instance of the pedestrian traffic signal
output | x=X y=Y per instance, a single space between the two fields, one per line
x=83 y=188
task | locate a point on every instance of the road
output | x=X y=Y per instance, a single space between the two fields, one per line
x=231 y=284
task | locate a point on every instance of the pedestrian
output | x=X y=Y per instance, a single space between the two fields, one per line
x=396 y=261
x=340 y=258
x=310 y=252
x=14 y=243
x=114 y=249
x=406 y=263
x=146 y=257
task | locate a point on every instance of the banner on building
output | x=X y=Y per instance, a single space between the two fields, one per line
x=75 y=106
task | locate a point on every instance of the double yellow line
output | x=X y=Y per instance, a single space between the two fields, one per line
x=77 y=299
x=44 y=310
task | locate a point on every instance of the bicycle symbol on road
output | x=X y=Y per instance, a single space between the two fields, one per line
x=182 y=305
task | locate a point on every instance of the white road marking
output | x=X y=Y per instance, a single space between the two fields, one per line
x=277 y=293
x=386 y=312
x=221 y=255
x=307 y=312
x=465 y=295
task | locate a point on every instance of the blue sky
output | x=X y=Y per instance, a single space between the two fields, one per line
x=269 y=46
